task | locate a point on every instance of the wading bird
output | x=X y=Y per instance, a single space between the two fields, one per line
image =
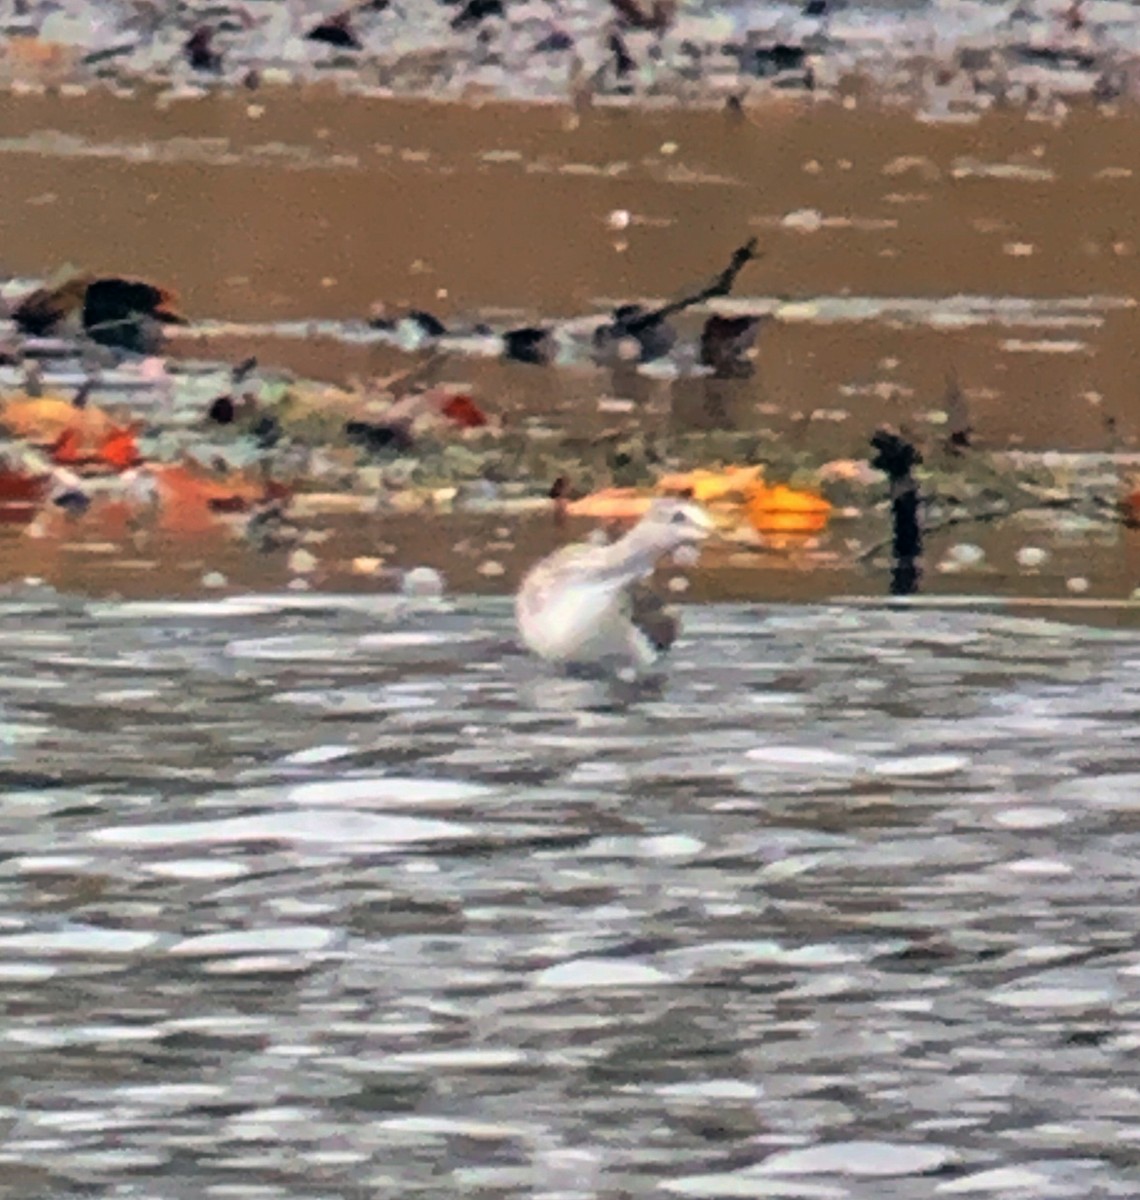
x=582 y=606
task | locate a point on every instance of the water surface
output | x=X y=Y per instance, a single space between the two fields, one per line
x=320 y=898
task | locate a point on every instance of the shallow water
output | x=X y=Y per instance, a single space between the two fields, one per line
x=315 y=898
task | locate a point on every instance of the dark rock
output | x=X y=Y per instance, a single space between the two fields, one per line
x=531 y=344
x=336 y=31
x=43 y=311
x=555 y=42
x=266 y=431
x=974 y=58
x=429 y=325
x=73 y=502
x=475 y=11
x=432 y=326
x=724 y=343
x=376 y=438
x=657 y=18
x=622 y=61
x=1054 y=56
x=222 y=410
x=200 y=52
x=655 y=338
x=766 y=61
x=128 y=314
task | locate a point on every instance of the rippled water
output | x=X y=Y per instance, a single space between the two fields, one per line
x=326 y=899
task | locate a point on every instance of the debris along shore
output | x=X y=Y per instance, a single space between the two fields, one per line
x=99 y=422
x=978 y=56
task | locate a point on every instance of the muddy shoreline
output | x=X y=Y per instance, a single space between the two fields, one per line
x=304 y=205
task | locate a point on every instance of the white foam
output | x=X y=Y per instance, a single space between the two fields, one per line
x=387 y=792
x=600 y=973
x=360 y=831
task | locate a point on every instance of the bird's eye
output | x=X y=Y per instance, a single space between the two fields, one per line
x=679 y=518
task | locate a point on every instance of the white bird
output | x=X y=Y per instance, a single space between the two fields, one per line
x=581 y=607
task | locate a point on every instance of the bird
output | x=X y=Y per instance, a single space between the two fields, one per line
x=585 y=606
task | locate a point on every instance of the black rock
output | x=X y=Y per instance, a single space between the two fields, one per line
x=725 y=341
x=377 y=437
x=764 y=61
x=555 y=42
x=531 y=344
x=127 y=314
x=200 y=53
x=475 y=11
x=222 y=410
x=1055 y=56
x=655 y=338
x=336 y=31
x=266 y=431
x=73 y=501
x=623 y=60
x=432 y=326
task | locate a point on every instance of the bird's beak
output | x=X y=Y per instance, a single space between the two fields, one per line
x=704 y=521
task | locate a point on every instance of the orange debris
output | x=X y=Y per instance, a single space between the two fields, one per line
x=782 y=509
x=68 y=448
x=611 y=504
x=707 y=486
x=45 y=418
x=462 y=410
x=120 y=450
x=192 y=502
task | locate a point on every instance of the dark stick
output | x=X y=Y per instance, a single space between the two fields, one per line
x=897 y=458
x=722 y=285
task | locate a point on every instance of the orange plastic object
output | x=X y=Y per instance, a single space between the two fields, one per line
x=68 y=448
x=44 y=419
x=1130 y=508
x=611 y=504
x=463 y=411
x=781 y=509
x=119 y=450
x=707 y=486
x=192 y=503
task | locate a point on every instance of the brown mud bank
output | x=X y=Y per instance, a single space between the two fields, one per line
x=896 y=250
x=1084 y=573
x=318 y=205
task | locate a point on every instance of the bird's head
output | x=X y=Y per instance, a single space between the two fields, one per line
x=671 y=523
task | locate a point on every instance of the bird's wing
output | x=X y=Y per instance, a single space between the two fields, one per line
x=652 y=617
x=579 y=563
